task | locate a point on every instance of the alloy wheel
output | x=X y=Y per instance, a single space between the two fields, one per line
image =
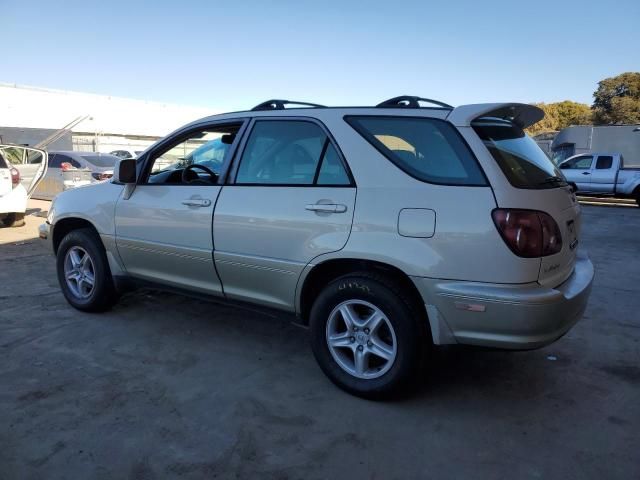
x=361 y=339
x=79 y=272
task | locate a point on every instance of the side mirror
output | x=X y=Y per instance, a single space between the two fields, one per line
x=125 y=171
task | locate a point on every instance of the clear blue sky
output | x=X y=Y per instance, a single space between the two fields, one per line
x=234 y=54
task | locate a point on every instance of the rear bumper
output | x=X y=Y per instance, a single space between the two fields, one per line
x=14 y=201
x=506 y=316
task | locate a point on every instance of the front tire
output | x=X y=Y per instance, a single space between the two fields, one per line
x=367 y=336
x=83 y=272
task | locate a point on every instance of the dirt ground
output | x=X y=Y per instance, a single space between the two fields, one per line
x=170 y=387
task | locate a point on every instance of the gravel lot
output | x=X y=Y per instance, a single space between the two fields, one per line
x=170 y=387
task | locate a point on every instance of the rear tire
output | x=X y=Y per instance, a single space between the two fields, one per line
x=14 y=219
x=83 y=272
x=375 y=362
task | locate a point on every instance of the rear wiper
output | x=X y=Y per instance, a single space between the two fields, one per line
x=549 y=180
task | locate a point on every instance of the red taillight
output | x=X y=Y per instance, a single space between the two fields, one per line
x=15 y=177
x=66 y=166
x=528 y=233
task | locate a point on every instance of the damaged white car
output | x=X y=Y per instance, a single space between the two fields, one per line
x=21 y=170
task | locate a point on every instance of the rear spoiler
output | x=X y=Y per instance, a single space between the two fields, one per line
x=521 y=114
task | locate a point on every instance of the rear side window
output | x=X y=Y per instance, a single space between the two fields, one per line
x=287 y=152
x=101 y=160
x=3 y=163
x=604 y=162
x=56 y=161
x=428 y=149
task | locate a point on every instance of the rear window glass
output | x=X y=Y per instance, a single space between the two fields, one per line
x=428 y=149
x=3 y=163
x=520 y=158
x=101 y=160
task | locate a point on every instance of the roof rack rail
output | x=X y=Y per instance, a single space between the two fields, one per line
x=279 y=105
x=408 y=101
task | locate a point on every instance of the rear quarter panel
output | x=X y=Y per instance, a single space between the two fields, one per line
x=560 y=203
x=465 y=245
x=628 y=180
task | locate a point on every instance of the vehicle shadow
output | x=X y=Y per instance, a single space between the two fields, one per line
x=451 y=372
x=37 y=212
x=501 y=374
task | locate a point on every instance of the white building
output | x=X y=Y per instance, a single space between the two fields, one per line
x=108 y=123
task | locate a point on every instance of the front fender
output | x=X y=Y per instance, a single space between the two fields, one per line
x=94 y=203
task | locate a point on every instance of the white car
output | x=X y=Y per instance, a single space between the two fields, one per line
x=21 y=170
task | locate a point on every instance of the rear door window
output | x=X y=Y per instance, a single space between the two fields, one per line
x=332 y=171
x=56 y=161
x=103 y=161
x=428 y=149
x=290 y=152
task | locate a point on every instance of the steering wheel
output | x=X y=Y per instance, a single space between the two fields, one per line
x=210 y=172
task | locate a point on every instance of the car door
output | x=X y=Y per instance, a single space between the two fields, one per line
x=6 y=184
x=44 y=191
x=163 y=229
x=603 y=174
x=578 y=170
x=289 y=198
x=30 y=162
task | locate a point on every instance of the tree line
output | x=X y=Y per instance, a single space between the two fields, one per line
x=616 y=101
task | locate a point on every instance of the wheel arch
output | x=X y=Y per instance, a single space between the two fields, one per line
x=323 y=273
x=65 y=225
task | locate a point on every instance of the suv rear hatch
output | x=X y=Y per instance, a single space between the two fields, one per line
x=537 y=185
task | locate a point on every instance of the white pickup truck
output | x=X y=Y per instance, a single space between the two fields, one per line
x=602 y=174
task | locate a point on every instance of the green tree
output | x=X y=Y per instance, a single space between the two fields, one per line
x=560 y=115
x=548 y=124
x=617 y=99
x=572 y=113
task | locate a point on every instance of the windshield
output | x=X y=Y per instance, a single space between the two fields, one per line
x=101 y=160
x=522 y=161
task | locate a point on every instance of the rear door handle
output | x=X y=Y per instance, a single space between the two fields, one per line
x=586 y=173
x=327 y=207
x=197 y=202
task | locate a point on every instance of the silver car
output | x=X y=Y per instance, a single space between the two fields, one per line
x=69 y=169
x=386 y=230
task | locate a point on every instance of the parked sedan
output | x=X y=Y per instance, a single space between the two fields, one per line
x=73 y=169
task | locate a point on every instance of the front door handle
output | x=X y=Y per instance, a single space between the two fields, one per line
x=327 y=207
x=586 y=173
x=197 y=202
